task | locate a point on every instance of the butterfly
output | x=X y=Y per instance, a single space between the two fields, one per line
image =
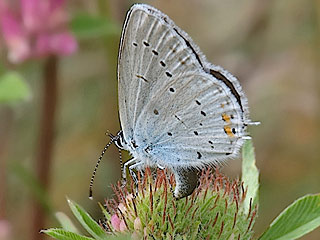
x=177 y=110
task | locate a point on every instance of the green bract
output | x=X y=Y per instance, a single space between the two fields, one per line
x=215 y=210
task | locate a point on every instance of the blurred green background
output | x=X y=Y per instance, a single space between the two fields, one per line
x=271 y=46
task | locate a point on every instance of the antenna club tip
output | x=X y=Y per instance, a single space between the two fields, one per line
x=90 y=195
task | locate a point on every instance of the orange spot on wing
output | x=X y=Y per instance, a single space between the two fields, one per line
x=228 y=131
x=226 y=118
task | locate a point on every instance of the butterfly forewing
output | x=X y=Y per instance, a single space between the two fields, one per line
x=150 y=52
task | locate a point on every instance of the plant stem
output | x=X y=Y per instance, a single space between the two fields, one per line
x=46 y=139
x=6 y=116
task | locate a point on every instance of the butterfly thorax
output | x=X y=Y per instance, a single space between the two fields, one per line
x=139 y=150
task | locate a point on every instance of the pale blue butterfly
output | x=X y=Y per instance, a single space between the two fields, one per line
x=177 y=110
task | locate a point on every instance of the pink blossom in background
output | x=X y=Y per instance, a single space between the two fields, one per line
x=5 y=230
x=115 y=222
x=123 y=226
x=35 y=28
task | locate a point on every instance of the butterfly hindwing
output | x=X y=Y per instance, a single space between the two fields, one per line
x=194 y=125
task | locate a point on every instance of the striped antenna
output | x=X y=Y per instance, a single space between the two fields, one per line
x=96 y=167
x=120 y=159
x=115 y=138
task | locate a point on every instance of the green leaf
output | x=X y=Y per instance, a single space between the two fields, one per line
x=13 y=88
x=88 y=26
x=61 y=234
x=87 y=222
x=296 y=220
x=66 y=222
x=250 y=174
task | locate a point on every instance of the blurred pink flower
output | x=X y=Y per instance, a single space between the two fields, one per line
x=123 y=226
x=5 y=229
x=115 y=222
x=35 y=28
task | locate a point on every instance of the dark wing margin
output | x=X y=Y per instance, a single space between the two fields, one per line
x=189 y=45
x=228 y=83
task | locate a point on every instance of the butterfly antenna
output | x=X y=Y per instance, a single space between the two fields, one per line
x=120 y=159
x=114 y=138
x=110 y=135
x=96 y=167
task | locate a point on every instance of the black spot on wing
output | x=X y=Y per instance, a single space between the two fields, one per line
x=168 y=74
x=165 y=19
x=203 y=113
x=162 y=64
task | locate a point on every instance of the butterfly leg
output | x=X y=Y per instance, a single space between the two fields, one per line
x=124 y=170
x=136 y=166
